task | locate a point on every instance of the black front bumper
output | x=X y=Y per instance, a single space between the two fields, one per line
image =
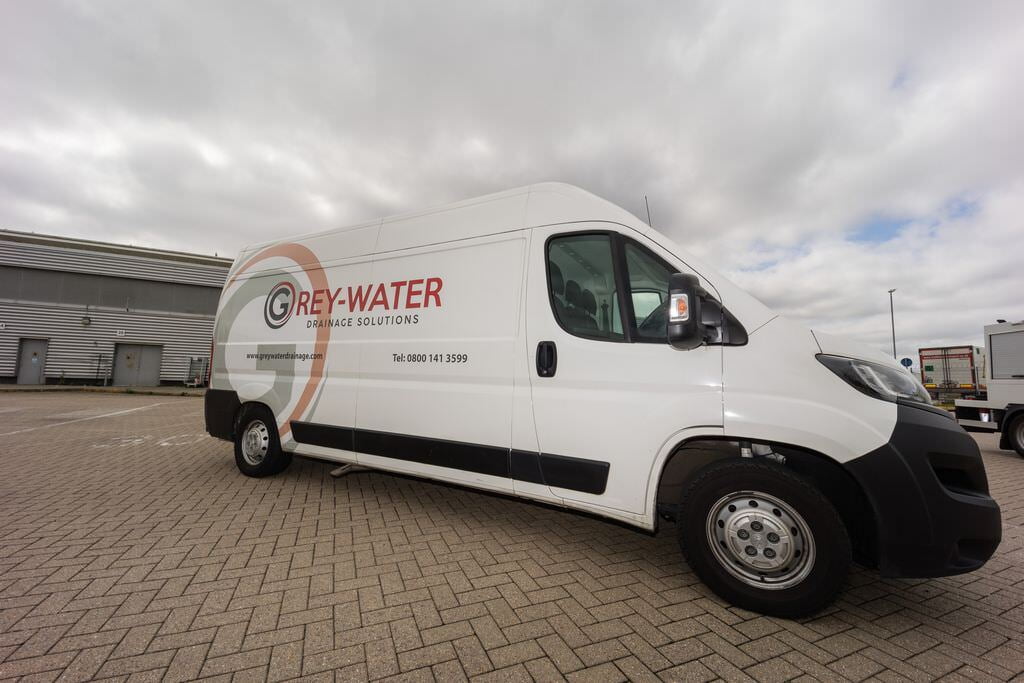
x=930 y=497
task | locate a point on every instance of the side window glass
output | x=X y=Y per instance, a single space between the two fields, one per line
x=644 y=303
x=648 y=289
x=581 y=281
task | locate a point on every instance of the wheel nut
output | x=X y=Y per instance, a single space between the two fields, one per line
x=769 y=553
x=743 y=533
x=756 y=526
x=750 y=550
x=773 y=537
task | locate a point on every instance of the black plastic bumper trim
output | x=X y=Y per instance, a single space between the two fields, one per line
x=220 y=407
x=930 y=496
x=930 y=408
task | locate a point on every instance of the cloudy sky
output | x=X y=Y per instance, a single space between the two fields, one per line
x=820 y=153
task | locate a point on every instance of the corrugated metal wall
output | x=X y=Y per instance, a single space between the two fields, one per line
x=53 y=305
x=74 y=349
x=88 y=289
x=48 y=257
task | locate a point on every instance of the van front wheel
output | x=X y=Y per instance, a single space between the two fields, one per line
x=257 y=445
x=763 y=538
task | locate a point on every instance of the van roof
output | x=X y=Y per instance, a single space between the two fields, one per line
x=511 y=210
x=522 y=207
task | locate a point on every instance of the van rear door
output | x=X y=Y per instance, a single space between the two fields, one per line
x=608 y=391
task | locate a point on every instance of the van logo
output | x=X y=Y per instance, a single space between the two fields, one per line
x=280 y=305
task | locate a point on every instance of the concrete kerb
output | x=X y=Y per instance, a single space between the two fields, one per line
x=141 y=391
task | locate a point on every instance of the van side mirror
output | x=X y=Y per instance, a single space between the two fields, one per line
x=685 y=320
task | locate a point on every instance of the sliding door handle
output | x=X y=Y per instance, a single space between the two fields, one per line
x=547 y=359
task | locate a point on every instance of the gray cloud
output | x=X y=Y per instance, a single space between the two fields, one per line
x=763 y=135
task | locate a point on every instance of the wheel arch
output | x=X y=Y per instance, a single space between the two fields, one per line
x=245 y=405
x=691 y=455
x=1013 y=411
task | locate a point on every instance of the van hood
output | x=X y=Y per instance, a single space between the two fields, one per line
x=836 y=345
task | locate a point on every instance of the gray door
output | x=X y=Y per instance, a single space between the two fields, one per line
x=137 y=365
x=32 y=361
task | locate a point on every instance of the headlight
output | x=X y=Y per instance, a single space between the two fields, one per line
x=879 y=381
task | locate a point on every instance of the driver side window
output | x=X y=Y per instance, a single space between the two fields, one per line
x=648 y=290
x=581 y=275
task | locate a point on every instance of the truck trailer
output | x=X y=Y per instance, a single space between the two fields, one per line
x=956 y=371
x=1002 y=410
x=547 y=344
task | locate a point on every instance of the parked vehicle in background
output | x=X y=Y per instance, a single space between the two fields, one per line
x=547 y=344
x=1003 y=408
x=952 y=371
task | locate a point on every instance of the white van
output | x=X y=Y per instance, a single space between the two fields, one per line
x=545 y=343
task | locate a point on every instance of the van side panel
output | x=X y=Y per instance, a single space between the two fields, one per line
x=436 y=381
x=274 y=342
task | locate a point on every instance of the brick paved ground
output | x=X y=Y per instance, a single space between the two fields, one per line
x=131 y=548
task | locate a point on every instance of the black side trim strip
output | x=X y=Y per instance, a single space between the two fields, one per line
x=324 y=435
x=453 y=454
x=526 y=467
x=576 y=474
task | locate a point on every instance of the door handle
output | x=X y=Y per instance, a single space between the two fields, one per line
x=547 y=359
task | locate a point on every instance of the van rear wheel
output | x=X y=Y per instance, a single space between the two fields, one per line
x=257 y=445
x=763 y=538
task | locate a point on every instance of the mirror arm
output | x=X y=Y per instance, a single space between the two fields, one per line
x=712 y=319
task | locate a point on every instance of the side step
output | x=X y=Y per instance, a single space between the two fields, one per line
x=347 y=469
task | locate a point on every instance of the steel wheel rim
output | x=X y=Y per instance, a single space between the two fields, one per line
x=255 y=443
x=760 y=540
x=1019 y=432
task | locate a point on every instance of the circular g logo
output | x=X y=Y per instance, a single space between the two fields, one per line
x=279 y=306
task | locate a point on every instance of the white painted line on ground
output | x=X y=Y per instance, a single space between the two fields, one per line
x=83 y=419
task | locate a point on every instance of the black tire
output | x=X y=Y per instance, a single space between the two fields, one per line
x=1015 y=435
x=264 y=457
x=816 y=579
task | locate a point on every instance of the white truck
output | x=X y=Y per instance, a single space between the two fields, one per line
x=1003 y=408
x=544 y=343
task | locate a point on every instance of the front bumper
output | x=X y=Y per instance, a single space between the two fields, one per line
x=930 y=497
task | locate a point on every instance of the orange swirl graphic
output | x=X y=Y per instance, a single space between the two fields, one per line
x=309 y=263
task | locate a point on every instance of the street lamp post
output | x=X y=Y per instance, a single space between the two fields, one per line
x=892 y=320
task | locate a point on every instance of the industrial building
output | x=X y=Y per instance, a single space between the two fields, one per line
x=75 y=311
